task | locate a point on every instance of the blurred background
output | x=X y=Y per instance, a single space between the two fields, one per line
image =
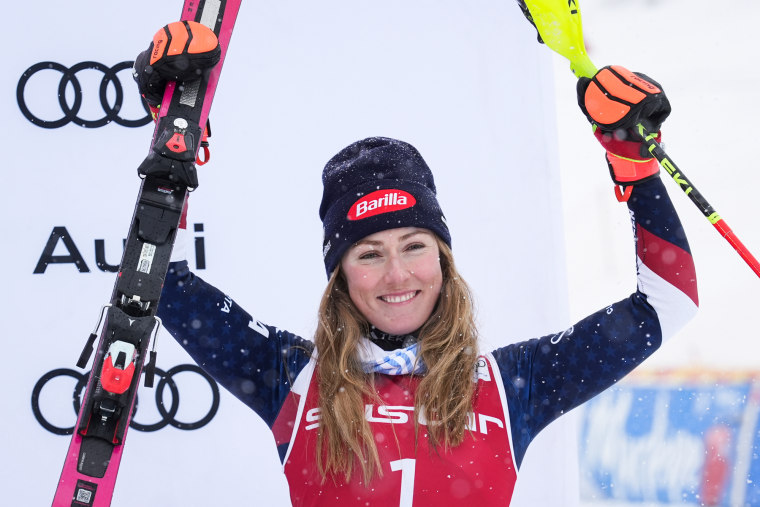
x=683 y=430
x=459 y=80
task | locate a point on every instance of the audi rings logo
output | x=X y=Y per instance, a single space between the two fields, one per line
x=71 y=97
x=167 y=416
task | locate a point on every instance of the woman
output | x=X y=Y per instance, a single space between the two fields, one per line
x=393 y=403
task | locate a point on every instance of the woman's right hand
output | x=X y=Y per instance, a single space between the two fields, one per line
x=180 y=51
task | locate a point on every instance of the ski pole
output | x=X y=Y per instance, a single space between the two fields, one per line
x=696 y=197
x=559 y=26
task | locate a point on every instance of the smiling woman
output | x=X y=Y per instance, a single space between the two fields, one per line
x=394 y=278
x=393 y=402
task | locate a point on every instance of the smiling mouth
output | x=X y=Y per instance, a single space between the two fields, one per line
x=399 y=298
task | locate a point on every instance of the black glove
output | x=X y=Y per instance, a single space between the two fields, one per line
x=615 y=101
x=529 y=17
x=618 y=99
x=180 y=51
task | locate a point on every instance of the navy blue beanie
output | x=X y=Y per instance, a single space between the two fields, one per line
x=373 y=185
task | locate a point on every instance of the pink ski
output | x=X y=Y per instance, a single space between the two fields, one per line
x=92 y=461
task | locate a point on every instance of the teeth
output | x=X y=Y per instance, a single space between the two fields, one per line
x=399 y=299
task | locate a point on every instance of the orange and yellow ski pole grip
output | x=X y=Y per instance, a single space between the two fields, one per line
x=559 y=24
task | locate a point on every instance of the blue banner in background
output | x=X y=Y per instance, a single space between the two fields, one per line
x=676 y=437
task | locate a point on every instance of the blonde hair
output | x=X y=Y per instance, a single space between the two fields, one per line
x=444 y=397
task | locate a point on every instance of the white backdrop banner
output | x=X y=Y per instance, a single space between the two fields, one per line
x=464 y=82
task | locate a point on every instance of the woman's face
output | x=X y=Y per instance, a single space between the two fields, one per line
x=394 y=278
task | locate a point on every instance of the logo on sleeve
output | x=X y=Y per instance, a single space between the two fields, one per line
x=381 y=201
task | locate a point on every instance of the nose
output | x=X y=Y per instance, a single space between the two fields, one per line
x=396 y=270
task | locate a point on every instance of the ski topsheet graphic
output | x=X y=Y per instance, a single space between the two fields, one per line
x=129 y=319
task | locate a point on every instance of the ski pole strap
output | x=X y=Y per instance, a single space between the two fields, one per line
x=626 y=172
x=204 y=145
x=154 y=110
x=627 y=159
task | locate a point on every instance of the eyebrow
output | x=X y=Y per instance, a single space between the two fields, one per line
x=379 y=243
